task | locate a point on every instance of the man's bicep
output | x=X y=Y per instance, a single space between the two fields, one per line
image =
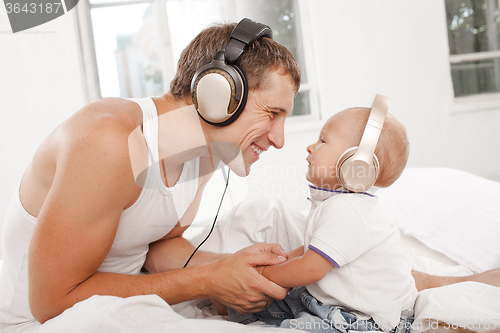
x=78 y=220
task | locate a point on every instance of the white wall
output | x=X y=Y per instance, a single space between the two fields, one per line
x=40 y=86
x=396 y=48
x=399 y=49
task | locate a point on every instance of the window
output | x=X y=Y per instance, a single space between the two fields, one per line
x=125 y=55
x=474 y=39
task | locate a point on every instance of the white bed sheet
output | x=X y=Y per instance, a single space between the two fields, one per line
x=476 y=306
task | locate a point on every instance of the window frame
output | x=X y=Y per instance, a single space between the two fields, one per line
x=475 y=102
x=88 y=61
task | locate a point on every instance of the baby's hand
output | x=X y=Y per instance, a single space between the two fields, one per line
x=260 y=269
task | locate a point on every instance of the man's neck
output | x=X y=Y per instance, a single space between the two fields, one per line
x=181 y=136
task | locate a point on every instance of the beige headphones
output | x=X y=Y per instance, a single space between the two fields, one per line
x=358 y=167
x=219 y=88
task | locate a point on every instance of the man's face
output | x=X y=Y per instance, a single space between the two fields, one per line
x=261 y=124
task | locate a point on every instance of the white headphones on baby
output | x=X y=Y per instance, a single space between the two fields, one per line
x=358 y=167
x=219 y=88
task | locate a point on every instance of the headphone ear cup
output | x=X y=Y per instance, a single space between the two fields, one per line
x=356 y=175
x=214 y=86
x=340 y=168
x=219 y=94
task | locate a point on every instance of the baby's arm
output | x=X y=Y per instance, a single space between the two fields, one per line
x=296 y=253
x=300 y=270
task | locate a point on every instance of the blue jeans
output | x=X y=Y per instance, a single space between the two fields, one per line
x=300 y=310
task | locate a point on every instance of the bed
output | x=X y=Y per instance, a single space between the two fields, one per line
x=450 y=225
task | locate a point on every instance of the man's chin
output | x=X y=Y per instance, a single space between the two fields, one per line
x=239 y=166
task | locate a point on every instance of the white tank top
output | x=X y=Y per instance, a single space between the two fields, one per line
x=151 y=217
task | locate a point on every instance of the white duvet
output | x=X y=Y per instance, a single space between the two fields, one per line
x=470 y=305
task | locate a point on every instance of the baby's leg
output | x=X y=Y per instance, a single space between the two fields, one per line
x=221 y=308
x=426 y=281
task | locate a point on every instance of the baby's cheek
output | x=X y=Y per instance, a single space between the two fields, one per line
x=325 y=172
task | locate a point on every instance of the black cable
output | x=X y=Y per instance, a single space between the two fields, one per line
x=213 y=225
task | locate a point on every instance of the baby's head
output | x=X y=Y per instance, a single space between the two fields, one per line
x=343 y=131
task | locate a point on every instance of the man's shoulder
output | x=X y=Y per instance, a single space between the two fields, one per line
x=118 y=110
x=100 y=130
x=106 y=117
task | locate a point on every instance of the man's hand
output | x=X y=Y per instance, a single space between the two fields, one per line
x=234 y=281
x=266 y=247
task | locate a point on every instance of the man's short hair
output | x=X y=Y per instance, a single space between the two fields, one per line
x=261 y=57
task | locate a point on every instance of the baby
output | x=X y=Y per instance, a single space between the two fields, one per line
x=354 y=273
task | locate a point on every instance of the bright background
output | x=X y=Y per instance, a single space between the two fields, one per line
x=355 y=49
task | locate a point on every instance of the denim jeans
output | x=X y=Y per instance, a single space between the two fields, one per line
x=300 y=310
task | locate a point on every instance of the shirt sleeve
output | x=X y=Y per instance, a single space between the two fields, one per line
x=340 y=234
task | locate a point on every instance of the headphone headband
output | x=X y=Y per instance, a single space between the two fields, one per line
x=245 y=33
x=358 y=167
x=373 y=128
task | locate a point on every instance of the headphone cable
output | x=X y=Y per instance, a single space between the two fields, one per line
x=216 y=215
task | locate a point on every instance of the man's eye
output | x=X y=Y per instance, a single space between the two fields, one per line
x=322 y=141
x=274 y=113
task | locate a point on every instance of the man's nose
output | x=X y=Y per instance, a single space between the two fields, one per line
x=310 y=148
x=277 y=135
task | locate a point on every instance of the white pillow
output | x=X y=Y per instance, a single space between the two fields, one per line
x=450 y=211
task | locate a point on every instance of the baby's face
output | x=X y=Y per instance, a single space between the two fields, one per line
x=324 y=154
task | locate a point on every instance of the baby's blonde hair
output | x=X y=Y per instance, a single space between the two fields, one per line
x=393 y=147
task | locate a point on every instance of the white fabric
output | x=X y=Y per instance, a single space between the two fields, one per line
x=451 y=211
x=108 y=314
x=269 y=220
x=266 y=220
x=471 y=305
x=372 y=276
x=152 y=216
x=239 y=229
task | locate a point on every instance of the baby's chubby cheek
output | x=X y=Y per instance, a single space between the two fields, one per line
x=321 y=176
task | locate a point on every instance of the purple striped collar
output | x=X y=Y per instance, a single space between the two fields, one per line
x=321 y=194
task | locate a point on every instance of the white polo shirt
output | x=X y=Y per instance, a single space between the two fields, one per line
x=371 y=276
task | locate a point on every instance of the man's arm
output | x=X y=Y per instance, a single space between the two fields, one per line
x=172 y=251
x=299 y=271
x=78 y=222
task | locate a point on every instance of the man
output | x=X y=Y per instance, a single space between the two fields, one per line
x=81 y=226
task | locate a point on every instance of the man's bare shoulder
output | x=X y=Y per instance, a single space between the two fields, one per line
x=101 y=129
x=104 y=122
x=92 y=145
x=114 y=110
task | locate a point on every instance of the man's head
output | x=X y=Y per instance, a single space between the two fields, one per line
x=344 y=130
x=259 y=59
x=273 y=78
